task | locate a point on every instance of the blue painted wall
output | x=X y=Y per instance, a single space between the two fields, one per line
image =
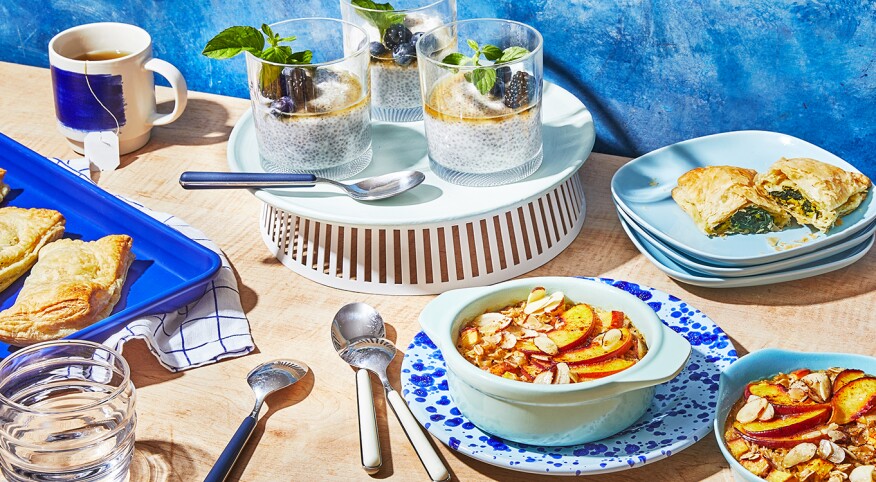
x=653 y=72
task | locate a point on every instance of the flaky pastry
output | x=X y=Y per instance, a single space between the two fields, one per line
x=22 y=233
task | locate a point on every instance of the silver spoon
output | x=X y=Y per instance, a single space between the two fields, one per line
x=264 y=380
x=374 y=354
x=370 y=189
x=353 y=321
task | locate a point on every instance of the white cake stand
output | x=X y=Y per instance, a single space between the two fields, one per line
x=438 y=236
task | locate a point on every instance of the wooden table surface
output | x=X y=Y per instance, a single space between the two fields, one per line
x=309 y=432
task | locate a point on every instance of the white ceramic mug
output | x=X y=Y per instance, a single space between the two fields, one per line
x=93 y=95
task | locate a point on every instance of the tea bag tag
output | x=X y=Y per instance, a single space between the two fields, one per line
x=102 y=150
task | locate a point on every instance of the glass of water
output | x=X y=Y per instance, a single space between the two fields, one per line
x=66 y=413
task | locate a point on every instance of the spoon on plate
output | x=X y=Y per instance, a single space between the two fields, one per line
x=354 y=321
x=374 y=354
x=264 y=380
x=369 y=189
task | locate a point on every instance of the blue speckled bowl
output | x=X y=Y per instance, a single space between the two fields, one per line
x=764 y=364
x=552 y=415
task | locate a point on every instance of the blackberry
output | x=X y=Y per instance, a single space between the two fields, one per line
x=404 y=54
x=503 y=76
x=397 y=34
x=378 y=50
x=517 y=93
x=283 y=105
x=299 y=85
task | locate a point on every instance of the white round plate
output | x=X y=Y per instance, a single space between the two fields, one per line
x=568 y=137
x=680 y=415
x=740 y=271
x=683 y=274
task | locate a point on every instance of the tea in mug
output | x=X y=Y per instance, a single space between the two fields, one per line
x=102 y=55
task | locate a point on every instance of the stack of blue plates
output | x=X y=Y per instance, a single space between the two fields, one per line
x=668 y=237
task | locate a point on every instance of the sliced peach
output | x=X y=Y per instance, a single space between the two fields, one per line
x=469 y=338
x=595 y=352
x=812 y=436
x=845 y=376
x=758 y=467
x=780 y=476
x=542 y=364
x=787 y=425
x=819 y=467
x=602 y=369
x=854 y=400
x=617 y=319
x=529 y=372
x=777 y=395
x=579 y=322
x=800 y=372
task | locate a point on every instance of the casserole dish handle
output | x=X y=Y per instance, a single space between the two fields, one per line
x=674 y=353
x=434 y=319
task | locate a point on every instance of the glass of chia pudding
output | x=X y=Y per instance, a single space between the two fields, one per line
x=482 y=88
x=314 y=117
x=393 y=30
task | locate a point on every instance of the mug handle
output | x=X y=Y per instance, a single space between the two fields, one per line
x=177 y=83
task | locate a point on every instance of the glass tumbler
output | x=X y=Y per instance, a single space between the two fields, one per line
x=395 y=83
x=66 y=413
x=483 y=102
x=314 y=118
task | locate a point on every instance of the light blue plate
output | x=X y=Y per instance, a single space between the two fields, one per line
x=763 y=364
x=642 y=188
x=737 y=272
x=689 y=276
x=680 y=415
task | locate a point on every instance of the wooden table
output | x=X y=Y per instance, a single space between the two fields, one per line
x=309 y=432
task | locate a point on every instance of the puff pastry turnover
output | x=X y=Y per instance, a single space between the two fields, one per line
x=22 y=233
x=812 y=191
x=4 y=189
x=723 y=200
x=74 y=284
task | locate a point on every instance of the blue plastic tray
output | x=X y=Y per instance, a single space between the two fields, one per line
x=170 y=269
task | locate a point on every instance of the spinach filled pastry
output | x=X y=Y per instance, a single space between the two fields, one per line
x=22 y=233
x=812 y=191
x=74 y=284
x=723 y=200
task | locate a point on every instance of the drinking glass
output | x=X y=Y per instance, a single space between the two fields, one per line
x=66 y=413
x=395 y=83
x=482 y=121
x=314 y=118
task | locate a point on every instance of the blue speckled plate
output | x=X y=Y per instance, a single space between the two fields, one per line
x=681 y=413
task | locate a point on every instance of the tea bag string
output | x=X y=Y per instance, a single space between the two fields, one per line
x=88 y=83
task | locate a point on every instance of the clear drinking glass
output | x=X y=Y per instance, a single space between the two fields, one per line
x=395 y=83
x=482 y=121
x=66 y=413
x=314 y=118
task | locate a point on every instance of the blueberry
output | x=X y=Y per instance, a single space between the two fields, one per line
x=504 y=73
x=397 y=34
x=404 y=54
x=416 y=37
x=377 y=49
x=498 y=90
x=283 y=105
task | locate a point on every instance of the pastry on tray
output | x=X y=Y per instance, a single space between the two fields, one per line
x=22 y=233
x=4 y=188
x=812 y=191
x=73 y=285
x=723 y=200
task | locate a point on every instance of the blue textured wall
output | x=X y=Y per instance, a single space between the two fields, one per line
x=653 y=72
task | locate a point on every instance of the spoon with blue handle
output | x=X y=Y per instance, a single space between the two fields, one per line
x=370 y=189
x=264 y=380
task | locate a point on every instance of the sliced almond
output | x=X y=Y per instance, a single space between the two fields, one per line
x=558 y=302
x=819 y=386
x=797 y=394
x=493 y=338
x=751 y=410
x=753 y=397
x=535 y=295
x=831 y=452
x=545 y=344
x=539 y=356
x=611 y=337
x=863 y=473
x=536 y=306
x=508 y=341
x=768 y=413
x=544 y=378
x=750 y=455
x=799 y=454
x=488 y=319
x=563 y=374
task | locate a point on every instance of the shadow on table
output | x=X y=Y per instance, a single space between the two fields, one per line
x=160 y=461
x=145 y=369
x=248 y=297
x=278 y=401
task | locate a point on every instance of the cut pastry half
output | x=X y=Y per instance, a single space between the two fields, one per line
x=722 y=200
x=73 y=285
x=23 y=232
x=813 y=192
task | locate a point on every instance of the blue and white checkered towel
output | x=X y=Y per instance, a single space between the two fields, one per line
x=205 y=331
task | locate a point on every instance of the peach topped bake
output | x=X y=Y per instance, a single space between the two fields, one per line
x=550 y=340
x=813 y=426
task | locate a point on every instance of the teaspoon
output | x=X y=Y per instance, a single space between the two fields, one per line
x=374 y=354
x=354 y=321
x=264 y=380
x=369 y=189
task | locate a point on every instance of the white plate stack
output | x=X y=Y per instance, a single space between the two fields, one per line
x=668 y=237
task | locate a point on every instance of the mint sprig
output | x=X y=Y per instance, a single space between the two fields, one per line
x=484 y=79
x=381 y=15
x=235 y=40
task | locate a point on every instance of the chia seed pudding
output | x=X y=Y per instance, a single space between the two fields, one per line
x=471 y=136
x=328 y=133
x=395 y=80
